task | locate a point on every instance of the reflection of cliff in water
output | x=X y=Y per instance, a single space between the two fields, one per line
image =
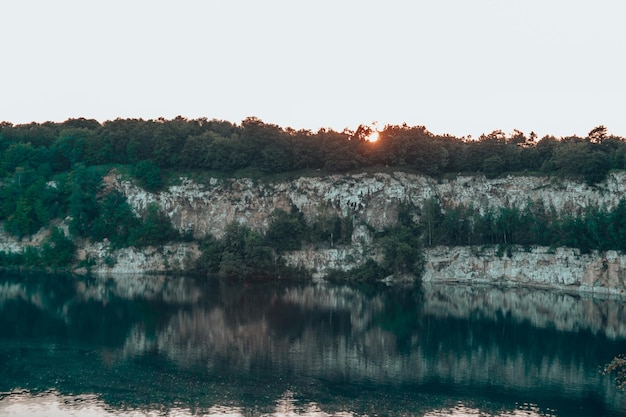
x=47 y=290
x=504 y=340
x=494 y=337
x=544 y=309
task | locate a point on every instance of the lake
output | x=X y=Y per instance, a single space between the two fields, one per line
x=181 y=346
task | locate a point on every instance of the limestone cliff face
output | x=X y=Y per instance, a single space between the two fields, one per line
x=163 y=259
x=372 y=201
x=373 y=198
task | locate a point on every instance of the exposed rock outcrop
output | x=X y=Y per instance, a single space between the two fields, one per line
x=372 y=198
x=167 y=258
x=372 y=201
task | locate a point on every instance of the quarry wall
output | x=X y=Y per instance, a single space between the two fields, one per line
x=372 y=201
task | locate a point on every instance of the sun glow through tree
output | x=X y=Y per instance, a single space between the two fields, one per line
x=370 y=132
x=373 y=136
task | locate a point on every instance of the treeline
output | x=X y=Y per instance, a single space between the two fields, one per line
x=221 y=146
x=597 y=228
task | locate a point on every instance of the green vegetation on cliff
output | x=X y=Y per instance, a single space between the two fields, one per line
x=597 y=228
x=51 y=173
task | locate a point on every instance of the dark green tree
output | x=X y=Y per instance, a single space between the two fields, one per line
x=245 y=254
x=401 y=250
x=156 y=229
x=286 y=230
x=149 y=175
x=116 y=221
x=58 y=250
x=83 y=185
x=493 y=166
x=430 y=220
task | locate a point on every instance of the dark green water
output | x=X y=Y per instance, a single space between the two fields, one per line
x=176 y=346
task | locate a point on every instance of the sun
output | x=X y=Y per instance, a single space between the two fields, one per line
x=373 y=136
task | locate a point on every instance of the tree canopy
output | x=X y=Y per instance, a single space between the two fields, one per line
x=222 y=146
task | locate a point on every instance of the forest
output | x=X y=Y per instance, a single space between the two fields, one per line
x=54 y=170
x=260 y=148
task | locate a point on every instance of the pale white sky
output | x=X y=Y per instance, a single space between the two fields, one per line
x=456 y=66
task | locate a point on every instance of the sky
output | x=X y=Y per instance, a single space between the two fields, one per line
x=459 y=67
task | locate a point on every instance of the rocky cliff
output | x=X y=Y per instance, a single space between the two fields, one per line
x=372 y=201
x=372 y=198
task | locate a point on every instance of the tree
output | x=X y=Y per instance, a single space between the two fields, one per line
x=596 y=167
x=307 y=153
x=507 y=223
x=256 y=136
x=227 y=155
x=84 y=184
x=618 y=225
x=58 y=250
x=276 y=157
x=597 y=134
x=18 y=155
x=401 y=250
x=493 y=166
x=330 y=228
x=149 y=174
x=340 y=152
x=195 y=152
x=286 y=230
x=116 y=220
x=536 y=224
x=456 y=226
x=430 y=219
x=245 y=254
x=21 y=222
x=211 y=257
x=545 y=153
x=571 y=156
x=155 y=229
x=69 y=148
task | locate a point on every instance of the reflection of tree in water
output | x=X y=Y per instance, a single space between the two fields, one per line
x=396 y=335
x=540 y=308
x=240 y=341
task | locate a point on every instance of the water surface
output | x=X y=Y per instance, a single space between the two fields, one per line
x=147 y=345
